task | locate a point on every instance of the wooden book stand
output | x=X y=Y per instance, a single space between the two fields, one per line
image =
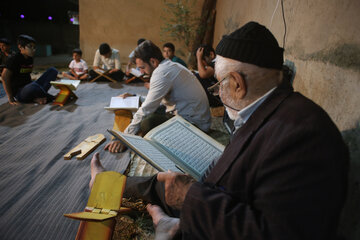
x=144 y=79
x=122 y=119
x=102 y=75
x=66 y=92
x=98 y=219
x=85 y=147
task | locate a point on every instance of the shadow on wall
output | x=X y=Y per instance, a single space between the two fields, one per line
x=231 y=24
x=345 y=55
x=350 y=220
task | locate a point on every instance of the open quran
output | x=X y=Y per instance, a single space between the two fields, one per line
x=129 y=103
x=175 y=145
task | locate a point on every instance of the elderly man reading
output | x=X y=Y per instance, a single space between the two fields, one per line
x=283 y=174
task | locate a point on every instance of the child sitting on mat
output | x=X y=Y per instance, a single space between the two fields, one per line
x=78 y=67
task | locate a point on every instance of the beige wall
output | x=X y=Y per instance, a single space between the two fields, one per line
x=323 y=40
x=121 y=23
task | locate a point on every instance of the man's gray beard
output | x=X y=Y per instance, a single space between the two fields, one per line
x=232 y=113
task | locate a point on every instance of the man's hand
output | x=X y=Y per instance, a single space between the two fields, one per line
x=12 y=101
x=113 y=70
x=147 y=85
x=200 y=53
x=115 y=147
x=125 y=95
x=176 y=187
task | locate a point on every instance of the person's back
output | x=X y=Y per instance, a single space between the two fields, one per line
x=185 y=93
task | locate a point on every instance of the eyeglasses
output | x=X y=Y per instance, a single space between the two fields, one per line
x=31 y=47
x=214 y=89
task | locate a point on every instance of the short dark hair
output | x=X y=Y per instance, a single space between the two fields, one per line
x=147 y=50
x=78 y=51
x=140 y=41
x=24 y=40
x=104 y=48
x=207 y=50
x=169 y=45
x=5 y=40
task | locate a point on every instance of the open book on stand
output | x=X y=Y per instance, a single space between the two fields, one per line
x=136 y=72
x=175 y=145
x=71 y=84
x=129 y=103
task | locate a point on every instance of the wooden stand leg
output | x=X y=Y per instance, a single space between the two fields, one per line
x=96 y=230
x=103 y=75
x=122 y=120
x=64 y=94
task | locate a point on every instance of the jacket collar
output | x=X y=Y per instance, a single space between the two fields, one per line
x=243 y=135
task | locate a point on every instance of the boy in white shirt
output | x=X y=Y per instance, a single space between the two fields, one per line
x=78 y=67
x=107 y=60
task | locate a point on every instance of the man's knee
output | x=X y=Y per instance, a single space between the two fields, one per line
x=52 y=70
x=152 y=121
x=141 y=188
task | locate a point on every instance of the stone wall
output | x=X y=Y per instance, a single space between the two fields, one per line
x=121 y=23
x=322 y=40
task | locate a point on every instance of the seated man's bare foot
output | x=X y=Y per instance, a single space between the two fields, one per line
x=40 y=100
x=165 y=226
x=96 y=168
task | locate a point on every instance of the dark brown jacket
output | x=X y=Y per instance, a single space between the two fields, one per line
x=283 y=176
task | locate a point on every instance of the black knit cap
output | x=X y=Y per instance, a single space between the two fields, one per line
x=252 y=43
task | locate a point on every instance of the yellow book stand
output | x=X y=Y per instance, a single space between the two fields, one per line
x=122 y=119
x=66 y=92
x=104 y=204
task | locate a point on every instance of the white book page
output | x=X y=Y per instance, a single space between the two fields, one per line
x=187 y=143
x=150 y=153
x=135 y=72
x=131 y=103
x=99 y=70
x=75 y=83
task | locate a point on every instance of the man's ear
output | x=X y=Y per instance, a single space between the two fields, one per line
x=240 y=84
x=154 y=62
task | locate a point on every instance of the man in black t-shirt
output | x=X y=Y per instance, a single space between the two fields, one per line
x=16 y=75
